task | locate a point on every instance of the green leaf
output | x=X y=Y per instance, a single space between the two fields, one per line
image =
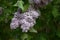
x=33 y=30
x=25 y=7
x=15 y=4
x=20 y=4
x=29 y=37
x=24 y=36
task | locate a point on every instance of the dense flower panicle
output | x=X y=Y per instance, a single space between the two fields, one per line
x=25 y=20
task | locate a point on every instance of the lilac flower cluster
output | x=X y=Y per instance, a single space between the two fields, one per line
x=39 y=3
x=25 y=20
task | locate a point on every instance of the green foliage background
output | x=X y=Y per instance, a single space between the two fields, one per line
x=47 y=26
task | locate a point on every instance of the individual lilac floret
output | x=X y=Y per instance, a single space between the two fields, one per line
x=17 y=15
x=14 y=24
x=25 y=27
x=22 y=21
x=34 y=14
x=30 y=19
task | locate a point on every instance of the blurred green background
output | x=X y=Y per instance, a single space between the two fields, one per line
x=47 y=26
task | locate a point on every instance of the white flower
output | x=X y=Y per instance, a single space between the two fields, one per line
x=30 y=19
x=22 y=21
x=26 y=24
x=14 y=24
x=27 y=13
x=32 y=24
x=34 y=14
x=25 y=27
x=24 y=30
